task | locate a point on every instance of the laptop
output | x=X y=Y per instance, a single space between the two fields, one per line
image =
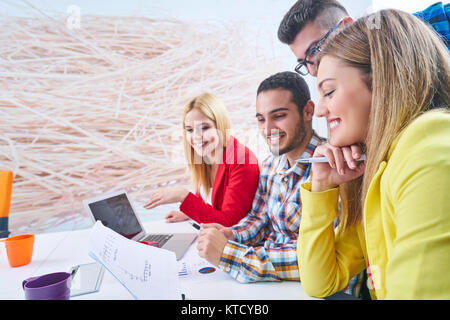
x=116 y=212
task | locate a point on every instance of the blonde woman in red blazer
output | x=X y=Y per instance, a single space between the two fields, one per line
x=224 y=175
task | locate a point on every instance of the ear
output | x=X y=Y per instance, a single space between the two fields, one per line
x=308 y=111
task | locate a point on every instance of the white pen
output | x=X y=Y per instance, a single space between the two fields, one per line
x=324 y=159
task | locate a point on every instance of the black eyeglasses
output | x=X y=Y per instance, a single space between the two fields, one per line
x=302 y=67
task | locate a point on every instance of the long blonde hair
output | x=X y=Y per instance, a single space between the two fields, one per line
x=406 y=66
x=212 y=107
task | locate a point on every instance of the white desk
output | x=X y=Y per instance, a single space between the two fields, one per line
x=55 y=252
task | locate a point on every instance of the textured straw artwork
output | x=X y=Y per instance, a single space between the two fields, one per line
x=98 y=108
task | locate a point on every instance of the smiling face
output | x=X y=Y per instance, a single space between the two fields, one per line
x=345 y=101
x=279 y=121
x=201 y=133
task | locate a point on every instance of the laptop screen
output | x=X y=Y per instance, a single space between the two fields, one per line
x=117 y=214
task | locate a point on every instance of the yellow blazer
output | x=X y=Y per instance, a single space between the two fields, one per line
x=405 y=236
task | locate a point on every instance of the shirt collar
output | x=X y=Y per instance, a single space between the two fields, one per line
x=299 y=168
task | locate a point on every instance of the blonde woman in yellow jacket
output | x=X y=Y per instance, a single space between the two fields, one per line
x=384 y=88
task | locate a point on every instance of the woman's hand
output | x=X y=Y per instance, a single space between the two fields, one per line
x=176 y=216
x=340 y=168
x=166 y=195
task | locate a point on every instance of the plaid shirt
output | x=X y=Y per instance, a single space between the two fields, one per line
x=266 y=239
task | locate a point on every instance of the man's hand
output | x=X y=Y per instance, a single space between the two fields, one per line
x=210 y=245
x=226 y=231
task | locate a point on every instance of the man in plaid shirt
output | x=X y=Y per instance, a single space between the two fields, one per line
x=262 y=246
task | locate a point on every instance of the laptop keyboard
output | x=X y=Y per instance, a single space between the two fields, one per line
x=160 y=238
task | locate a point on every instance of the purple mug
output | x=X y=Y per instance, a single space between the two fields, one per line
x=52 y=286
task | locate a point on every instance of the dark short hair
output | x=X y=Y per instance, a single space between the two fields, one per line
x=305 y=11
x=292 y=82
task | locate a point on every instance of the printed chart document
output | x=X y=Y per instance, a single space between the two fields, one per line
x=192 y=269
x=145 y=271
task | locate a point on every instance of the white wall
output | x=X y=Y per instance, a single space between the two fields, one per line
x=261 y=16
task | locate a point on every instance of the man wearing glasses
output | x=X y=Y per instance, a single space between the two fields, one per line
x=307 y=26
x=309 y=23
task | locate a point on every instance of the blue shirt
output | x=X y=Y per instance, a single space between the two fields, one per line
x=438 y=16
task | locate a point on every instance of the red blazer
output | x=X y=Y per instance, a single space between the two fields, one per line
x=233 y=189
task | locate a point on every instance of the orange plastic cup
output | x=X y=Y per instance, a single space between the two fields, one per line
x=19 y=249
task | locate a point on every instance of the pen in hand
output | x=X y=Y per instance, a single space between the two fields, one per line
x=324 y=159
x=195 y=225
